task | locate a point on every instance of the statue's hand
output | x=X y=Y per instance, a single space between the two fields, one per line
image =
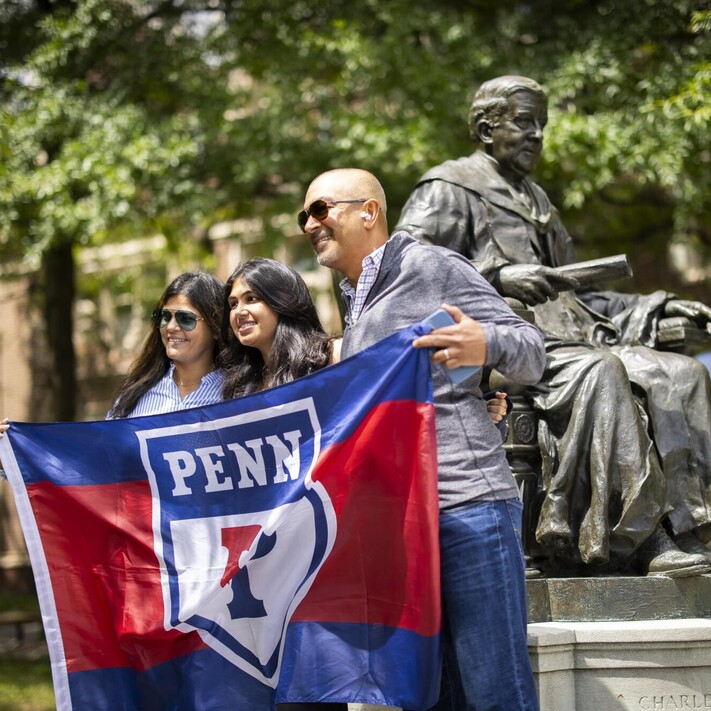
x=694 y=310
x=534 y=283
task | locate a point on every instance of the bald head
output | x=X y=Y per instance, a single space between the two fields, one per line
x=347 y=184
x=355 y=224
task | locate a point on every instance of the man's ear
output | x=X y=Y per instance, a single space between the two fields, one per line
x=370 y=212
x=484 y=130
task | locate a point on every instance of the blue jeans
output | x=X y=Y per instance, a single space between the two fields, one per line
x=486 y=663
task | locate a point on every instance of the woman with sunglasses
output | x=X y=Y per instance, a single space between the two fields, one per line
x=176 y=369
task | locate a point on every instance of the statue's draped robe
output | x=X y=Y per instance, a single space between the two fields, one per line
x=604 y=389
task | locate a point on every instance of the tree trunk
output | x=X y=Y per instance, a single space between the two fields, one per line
x=59 y=291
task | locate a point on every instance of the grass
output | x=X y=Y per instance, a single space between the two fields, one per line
x=25 y=685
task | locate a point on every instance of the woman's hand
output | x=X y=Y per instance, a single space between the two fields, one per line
x=496 y=407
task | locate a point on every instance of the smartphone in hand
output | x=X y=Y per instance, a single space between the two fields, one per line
x=439 y=319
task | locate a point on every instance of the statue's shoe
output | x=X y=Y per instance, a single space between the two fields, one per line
x=659 y=555
x=677 y=564
x=690 y=543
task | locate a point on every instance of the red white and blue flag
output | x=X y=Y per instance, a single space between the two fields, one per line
x=278 y=547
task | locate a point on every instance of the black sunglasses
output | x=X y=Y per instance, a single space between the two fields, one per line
x=186 y=320
x=318 y=209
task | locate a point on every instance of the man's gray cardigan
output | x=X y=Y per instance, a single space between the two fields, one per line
x=414 y=280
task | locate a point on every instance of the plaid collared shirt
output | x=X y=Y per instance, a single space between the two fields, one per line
x=355 y=298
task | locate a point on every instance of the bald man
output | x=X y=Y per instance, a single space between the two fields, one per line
x=390 y=283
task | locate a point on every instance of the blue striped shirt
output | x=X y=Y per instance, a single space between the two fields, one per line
x=165 y=396
x=356 y=297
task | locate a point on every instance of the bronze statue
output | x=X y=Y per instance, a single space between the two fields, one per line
x=609 y=485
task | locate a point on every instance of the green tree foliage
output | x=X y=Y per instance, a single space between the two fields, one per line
x=100 y=142
x=121 y=118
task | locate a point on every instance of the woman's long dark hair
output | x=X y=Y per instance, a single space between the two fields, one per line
x=204 y=291
x=300 y=344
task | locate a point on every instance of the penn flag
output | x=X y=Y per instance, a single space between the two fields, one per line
x=280 y=547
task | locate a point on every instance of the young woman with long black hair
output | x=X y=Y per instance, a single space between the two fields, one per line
x=177 y=366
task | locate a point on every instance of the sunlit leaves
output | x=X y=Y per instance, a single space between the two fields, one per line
x=187 y=112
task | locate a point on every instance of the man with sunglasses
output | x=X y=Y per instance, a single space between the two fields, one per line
x=604 y=463
x=390 y=283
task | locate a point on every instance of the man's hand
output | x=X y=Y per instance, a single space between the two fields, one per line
x=534 y=283
x=694 y=310
x=461 y=344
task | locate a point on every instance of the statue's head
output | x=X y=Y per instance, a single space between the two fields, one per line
x=491 y=101
x=506 y=118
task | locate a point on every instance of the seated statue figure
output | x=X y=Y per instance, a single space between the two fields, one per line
x=625 y=430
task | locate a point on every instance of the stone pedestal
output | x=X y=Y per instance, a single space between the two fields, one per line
x=655 y=665
x=609 y=644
